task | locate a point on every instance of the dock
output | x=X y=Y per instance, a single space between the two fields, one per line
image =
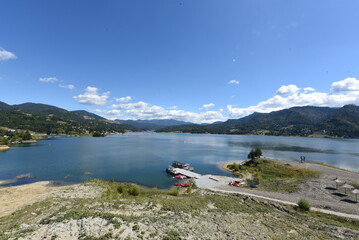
x=187 y=173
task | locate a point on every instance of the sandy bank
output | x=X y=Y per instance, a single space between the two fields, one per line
x=4 y=147
x=16 y=197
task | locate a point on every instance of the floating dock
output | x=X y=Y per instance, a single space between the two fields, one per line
x=187 y=173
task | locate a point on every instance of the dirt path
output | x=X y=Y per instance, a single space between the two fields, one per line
x=340 y=214
x=14 y=198
x=320 y=192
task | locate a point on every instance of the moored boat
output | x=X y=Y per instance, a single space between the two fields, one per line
x=171 y=170
x=182 y=165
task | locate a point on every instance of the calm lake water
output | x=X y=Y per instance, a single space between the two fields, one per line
x=143 y=157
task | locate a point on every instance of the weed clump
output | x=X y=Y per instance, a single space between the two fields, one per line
x=303 y=205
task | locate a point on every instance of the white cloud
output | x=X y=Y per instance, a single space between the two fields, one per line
x=91 y=97
x=143 y=110
x=346 y=85
x=124 y=99
x=6 y=55
x=207 y=106
x=173 y=107
x=233 y=82
x=289 y=89
x=114 y=112
x=342 y=92
x=69 y=86
x=308 y=89
x=49 y=79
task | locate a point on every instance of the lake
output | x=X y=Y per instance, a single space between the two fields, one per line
x=143 y=157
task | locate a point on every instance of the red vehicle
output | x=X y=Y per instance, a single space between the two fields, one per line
x=235 y=183
x=181 y=176
x=183 y=184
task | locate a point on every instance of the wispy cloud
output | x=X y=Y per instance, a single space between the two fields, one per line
x=124 y=99
x=49 y=79
x=6 y=55
x=113 y=112
x=233 y=82
x=69 y=86
x=341 y=92
x=92 y=97
x=207 y=106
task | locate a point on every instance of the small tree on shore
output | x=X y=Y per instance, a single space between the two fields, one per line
x=27 y=136
x=254 y=154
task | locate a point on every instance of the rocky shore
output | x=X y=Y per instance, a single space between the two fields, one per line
x=100 y=210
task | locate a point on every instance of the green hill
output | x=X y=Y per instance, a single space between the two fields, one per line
x=296 y=121
x=44 y=118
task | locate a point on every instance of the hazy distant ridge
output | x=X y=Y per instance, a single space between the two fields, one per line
x=296 y=121
x=154 y=124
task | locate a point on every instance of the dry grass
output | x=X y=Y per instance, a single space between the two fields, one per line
x=272 y=175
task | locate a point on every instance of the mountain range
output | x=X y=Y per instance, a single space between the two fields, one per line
x=44 y=118
x=155 y=124
x=295 y=121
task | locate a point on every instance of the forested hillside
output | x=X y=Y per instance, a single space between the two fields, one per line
x=296 y=121
x=50 y=119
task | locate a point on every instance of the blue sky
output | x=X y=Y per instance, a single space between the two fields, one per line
x=198 y=61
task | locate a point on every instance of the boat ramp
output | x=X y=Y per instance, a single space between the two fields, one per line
x=187 y=173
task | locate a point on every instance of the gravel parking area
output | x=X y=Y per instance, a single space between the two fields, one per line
x=320 y=192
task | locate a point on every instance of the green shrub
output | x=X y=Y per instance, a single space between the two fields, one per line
x=172 y=235
x=136 y=228
x=303 y=205
x=234 y=166
x=120 y=189
x=134 y=190
x=174 y=191
x=189 y=190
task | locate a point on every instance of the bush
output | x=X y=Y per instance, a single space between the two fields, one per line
x=234 y=166
x=174 y=191
x=189 y=190
x=136 y=228
x=120 y=189
x=303 y=205
x=134 y=190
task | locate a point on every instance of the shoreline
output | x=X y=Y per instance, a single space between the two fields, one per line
x=320 y=192
x=224 y=165
x=4 y=147
x=231 y=134
x=13 y=198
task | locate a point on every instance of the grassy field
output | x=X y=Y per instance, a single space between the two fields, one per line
x=270 y=175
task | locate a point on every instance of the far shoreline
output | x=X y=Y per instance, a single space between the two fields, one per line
x=224 y=165
x=4 y=147
x=231 y=134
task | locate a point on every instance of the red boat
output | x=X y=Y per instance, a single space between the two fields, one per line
x=183 y=184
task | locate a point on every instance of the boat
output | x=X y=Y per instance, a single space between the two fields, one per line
x=181 y=176
x=171 y=170
x=182 y=165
